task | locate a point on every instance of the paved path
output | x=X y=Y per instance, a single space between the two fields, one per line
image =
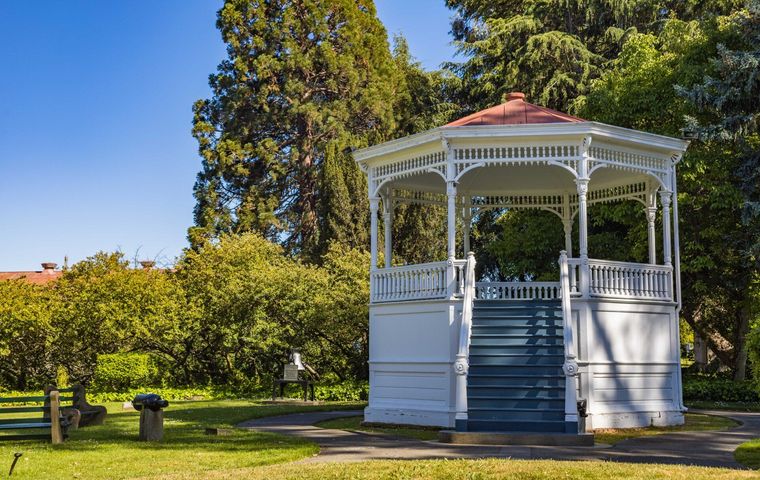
x=713 y=449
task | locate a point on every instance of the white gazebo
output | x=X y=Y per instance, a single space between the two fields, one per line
x=452 y=351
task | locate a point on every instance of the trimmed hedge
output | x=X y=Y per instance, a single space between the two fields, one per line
x=120 y=372
x=715 y=389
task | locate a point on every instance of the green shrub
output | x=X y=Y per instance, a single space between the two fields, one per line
x=716 y=389
x=349 y=391
x=171 y=394
x=120 y=372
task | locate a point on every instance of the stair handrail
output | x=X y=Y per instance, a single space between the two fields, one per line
x=570 y=366
x=462 y=364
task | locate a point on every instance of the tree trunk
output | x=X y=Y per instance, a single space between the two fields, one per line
x=740 y=371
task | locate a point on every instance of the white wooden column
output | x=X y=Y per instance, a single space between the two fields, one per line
x=567 y=224
x=374 y=203
x=582 y=184
x=387 y=225
x=665 y=198
x=651 y=213
x=451 y=194
x=466 y=221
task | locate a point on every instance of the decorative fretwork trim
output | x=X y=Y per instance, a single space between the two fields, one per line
x=420 y=198
x=562 y=155
x=430 y=162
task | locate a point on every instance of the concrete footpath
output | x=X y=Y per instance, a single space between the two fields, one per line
x=711 y=449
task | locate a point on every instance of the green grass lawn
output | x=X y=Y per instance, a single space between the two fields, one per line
x=694 y=422
x=355 y=423
x=112 y=451
x=748 y=453
x=475 y=470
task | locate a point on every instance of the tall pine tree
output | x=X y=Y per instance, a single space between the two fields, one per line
x=303 y=81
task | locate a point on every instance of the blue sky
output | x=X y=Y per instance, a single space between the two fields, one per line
x=95 y=117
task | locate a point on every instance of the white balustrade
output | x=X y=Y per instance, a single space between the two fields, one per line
x=415 y=282
x=462 y=363
x=570 y=365
x=630 y=280
x=517 y=290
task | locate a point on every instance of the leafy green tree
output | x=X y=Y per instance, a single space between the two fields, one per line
x=102 y=306
x=640 y=91
x=256 y=304
x=728 y=103
x=303 y=81
x=25 y=336
x=552 y=49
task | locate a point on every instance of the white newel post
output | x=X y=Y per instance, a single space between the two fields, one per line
x=570 y=365
x=451 y=194
x=462 y=362
x=585 y=273
x=665 y=198
x=387 y=225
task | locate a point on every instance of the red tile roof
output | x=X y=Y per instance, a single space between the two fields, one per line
x=515 y=111
x=37 y=277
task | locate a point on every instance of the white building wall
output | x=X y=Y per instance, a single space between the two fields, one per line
x=412 y=346
x=628 y=354
x=629 y=362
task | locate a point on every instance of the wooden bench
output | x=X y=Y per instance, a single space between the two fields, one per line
x=89 y=414
x=52 y=418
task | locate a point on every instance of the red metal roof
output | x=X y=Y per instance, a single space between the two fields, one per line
x=515 y=111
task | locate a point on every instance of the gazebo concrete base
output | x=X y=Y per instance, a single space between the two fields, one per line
x=517 y=438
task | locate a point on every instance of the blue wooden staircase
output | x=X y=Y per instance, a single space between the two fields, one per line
x=515 y=381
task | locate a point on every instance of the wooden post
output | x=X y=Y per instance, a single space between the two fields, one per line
x=451 y=278
x=451 y=193
x=582 y=184
x=466 y=223
x=567 y=224
x=56 y=434
x=665 y=198
x=651 y=213
x=151 y=425
x=387 y=224
x=374 y=204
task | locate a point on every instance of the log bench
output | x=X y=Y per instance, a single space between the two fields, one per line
x=52 y=418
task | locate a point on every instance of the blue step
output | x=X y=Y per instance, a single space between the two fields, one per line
x=542 y=426
x=503 y=381
x=512 y=339
x=516 y=414
x=515 y=381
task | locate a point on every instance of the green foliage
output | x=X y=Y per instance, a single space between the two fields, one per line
x=171 y=394
x=528 y=245
x=119 y=372
x=103 y=306
x=26 y=335
x=702 y=388
x=343 y=392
